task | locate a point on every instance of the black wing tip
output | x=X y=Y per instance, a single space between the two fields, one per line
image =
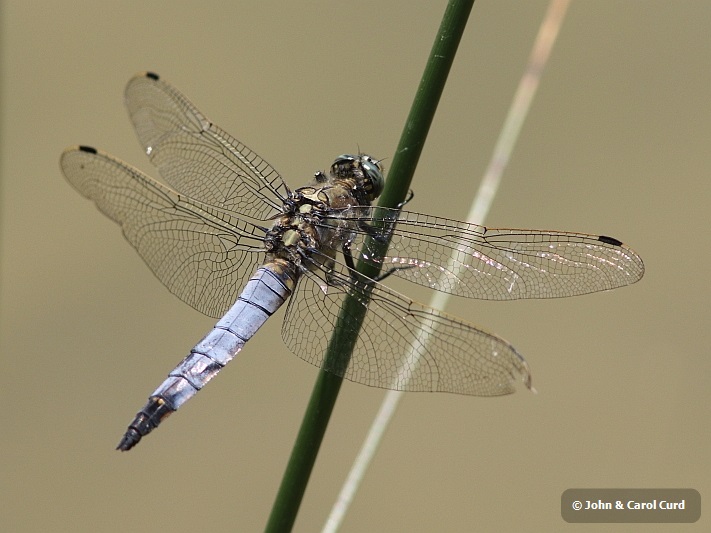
x=152 y=75
x=88 y=149
x=609 y=240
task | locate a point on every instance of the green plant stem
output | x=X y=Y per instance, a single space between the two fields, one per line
x=325 y=392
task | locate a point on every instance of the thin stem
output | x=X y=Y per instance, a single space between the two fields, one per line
x=325 y=393
x=480 y=206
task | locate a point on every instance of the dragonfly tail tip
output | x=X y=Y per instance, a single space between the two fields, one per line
x=129 y=440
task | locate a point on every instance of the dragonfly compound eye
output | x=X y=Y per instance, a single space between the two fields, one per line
x=344 y=165
x=373 y=176
x=368 y=168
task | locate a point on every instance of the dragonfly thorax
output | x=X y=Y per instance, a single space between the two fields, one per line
x=294 y=234
x=300 y=230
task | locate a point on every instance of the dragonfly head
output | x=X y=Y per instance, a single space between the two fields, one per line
x=366 y=170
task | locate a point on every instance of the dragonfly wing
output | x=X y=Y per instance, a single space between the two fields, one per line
x=492 y=264
x=197 y=157
x=453 y=356
x=200 y=253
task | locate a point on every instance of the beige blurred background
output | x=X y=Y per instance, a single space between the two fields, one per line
x=617 y=143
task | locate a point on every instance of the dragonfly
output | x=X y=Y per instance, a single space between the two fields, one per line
x=228 y=216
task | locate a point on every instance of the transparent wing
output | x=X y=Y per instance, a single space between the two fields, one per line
x=455 y=356
x=492 y=264
x=200 y=253
x=197 y=157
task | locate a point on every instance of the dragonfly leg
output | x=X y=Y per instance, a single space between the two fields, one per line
x=410 y=196
x=331 y=278
x=348 y=257
x=382 y=234
x=392 y=270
